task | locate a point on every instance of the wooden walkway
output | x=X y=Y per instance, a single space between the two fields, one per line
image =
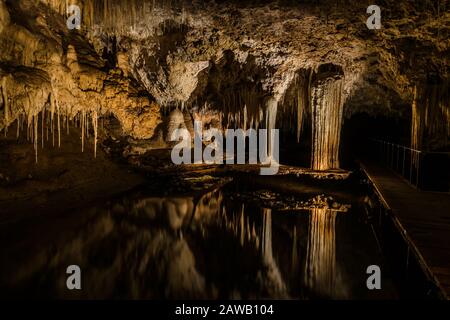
x=424 y=216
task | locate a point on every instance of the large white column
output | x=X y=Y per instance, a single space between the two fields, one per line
x=326 y=115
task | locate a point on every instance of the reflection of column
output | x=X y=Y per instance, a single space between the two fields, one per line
x=294 y=253
x=320 y=269
x=267 y=237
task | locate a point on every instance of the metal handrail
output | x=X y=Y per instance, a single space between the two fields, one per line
x=408 y=162
x=408 y=148
x=395 y=156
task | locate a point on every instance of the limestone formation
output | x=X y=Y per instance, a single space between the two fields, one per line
x=140 y=60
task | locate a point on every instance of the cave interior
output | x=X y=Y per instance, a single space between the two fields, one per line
x=89 y=101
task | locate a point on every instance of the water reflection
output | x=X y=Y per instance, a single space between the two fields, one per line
x=185 y=247
x=273 y=273
x=320 y=263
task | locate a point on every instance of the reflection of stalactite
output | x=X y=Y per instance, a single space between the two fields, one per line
x=294 y=253
x=241 y=226
x=273 y=272
x=327 y=110
x=320 y=269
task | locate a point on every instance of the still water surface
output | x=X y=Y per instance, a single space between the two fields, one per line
x=222 y=244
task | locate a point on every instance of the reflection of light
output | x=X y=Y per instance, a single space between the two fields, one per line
x=294 y=254
x=274 y=277
x=267 y=236
x=320 y=270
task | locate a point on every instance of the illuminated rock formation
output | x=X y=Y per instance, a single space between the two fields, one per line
x=327 y=110
x=139 y=60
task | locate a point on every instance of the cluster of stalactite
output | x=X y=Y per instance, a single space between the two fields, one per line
x=47 y=126
x=430 y=120
x=295 y=106
x=45 y=120
x=242 y=108
x=320 y=269
x=245 y=108
x=316 y=97
x=115 y=15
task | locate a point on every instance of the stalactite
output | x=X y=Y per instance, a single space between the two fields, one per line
x=294 y=107
x=18 y=128
x=271 y=119
x=58 y=112
x=242 y=108
x=83 y=113
x=35 y=136
x=52 y=114
x=4 y=94
x=95 y=126
x=42 y=127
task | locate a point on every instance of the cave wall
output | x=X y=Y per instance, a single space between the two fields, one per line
x=221 y=61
